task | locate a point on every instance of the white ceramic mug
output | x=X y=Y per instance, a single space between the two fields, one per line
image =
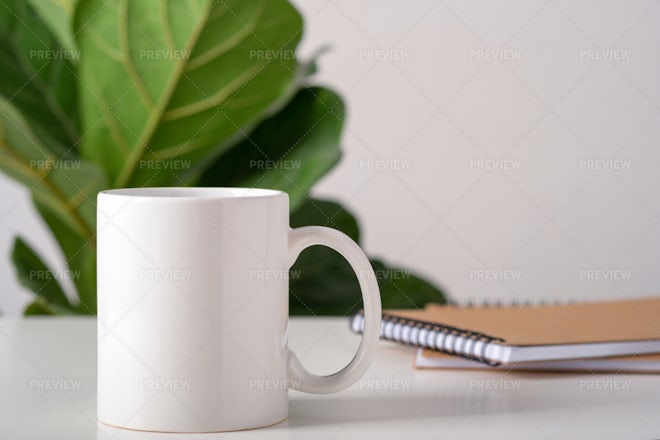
x=193 y=308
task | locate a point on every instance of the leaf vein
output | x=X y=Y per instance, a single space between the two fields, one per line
x=135 y=154
x=229 y=44
x=129 y=65
x=215 y=99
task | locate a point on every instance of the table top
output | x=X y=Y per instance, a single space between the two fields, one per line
x=48 y=390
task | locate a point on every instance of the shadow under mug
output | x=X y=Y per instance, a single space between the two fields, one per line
x=193 y=308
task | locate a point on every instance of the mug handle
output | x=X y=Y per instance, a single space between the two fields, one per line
x=301 y=379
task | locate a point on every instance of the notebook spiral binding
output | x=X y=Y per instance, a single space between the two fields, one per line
x=456 y=341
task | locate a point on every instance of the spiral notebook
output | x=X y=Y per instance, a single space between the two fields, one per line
x=513 y=334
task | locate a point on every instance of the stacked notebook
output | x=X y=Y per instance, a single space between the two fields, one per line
x=599 y=336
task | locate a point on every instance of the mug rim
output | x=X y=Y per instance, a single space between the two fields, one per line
x=192 y=193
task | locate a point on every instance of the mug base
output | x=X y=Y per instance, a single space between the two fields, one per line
x=204 y=431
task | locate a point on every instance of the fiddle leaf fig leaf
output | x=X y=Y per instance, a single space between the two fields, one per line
x=64 y=192
x=42 y=307
x=58 y=16
x=38 y=77
x=66 y=187
x=321 y=282
x=402 y=289
x=165 y=83
x=80 y=254
x=38 y=307
x=289 y=151
x=33 y=274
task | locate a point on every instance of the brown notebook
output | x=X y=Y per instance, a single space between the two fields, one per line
x=506 y=335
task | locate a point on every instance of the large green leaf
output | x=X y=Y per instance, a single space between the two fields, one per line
x=58 y=16
x=37 y=76
x=67 y=187
x=38 y=307
x=323 y=283
x=35 y=275
x=164 y=83
x=289 y=151
x=64 y=192
x=403 y=289
x=80 y=254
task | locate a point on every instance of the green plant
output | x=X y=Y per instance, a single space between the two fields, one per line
x=98 y=94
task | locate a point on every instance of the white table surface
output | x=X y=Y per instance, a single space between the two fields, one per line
x=48 y=391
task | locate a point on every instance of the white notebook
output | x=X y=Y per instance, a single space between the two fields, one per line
x=649 y=363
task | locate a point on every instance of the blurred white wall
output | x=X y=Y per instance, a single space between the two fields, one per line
x=504 y=149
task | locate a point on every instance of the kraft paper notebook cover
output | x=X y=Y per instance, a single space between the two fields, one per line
x=505 y=335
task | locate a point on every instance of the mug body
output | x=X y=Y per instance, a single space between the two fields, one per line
x=192 y=308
